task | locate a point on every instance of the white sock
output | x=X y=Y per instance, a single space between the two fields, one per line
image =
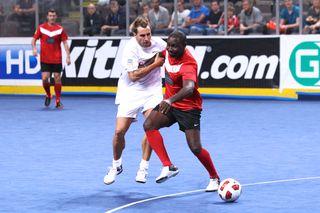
x=144 y=164
x=116 y=163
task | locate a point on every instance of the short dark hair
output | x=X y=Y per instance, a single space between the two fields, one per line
x=51 y=10
x=181 y=36
x=216 y=1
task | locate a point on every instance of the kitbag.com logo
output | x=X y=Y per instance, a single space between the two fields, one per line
x=304 y=63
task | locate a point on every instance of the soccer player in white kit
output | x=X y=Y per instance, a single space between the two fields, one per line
x=139 y=88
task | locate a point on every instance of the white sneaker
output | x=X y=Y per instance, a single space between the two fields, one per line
x=111 y=176
x=142 y=175
x=166 y=173
x=213 y=185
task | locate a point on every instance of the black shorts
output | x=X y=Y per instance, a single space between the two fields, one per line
x=51 y=67
x=186 y=119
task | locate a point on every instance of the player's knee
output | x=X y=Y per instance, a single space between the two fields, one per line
x=119 y=134
x=195 y=149
x=57 y=80
x=147 y=125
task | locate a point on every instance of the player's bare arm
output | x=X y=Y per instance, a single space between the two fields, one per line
x=150 y=60
x=34 y=48
x=187 y=90
x=145 y=70
x=66 y=48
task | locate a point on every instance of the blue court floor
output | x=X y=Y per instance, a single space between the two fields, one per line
x=55 y=160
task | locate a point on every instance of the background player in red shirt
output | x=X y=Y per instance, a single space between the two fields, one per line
x=183 y=104
x=51 y=35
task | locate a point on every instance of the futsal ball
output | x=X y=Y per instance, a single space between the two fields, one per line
x=229 y=190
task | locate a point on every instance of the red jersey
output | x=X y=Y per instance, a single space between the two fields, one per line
x=232 y=21
x=177 y=70
x=50 y=37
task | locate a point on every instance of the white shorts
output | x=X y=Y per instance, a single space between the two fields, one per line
x=129 y=108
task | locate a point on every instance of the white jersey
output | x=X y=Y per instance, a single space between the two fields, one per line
x=133 y=56
x=182 y=16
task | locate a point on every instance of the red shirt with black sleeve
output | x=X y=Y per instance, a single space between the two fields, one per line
x=50 y=37
x=177 y=70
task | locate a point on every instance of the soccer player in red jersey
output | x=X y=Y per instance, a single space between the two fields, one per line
x=51 y=35
x=183 y=104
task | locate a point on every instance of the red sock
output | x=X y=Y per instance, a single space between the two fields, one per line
x=206 y=161
x=57 y=90
x=156 y=142
x=46 y=87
